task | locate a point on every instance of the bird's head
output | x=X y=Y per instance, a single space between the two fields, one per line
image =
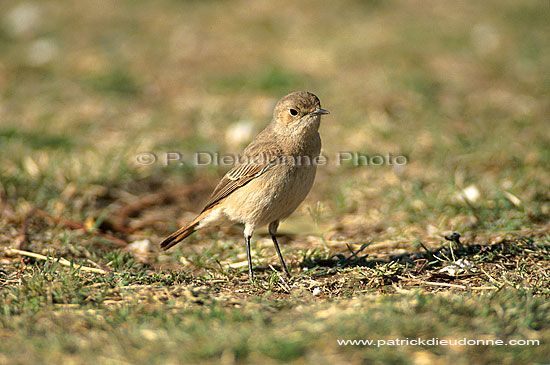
x=299 y=111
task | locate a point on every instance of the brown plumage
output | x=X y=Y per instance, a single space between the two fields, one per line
x=272 y=177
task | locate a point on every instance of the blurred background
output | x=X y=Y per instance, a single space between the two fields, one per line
x=460 y=88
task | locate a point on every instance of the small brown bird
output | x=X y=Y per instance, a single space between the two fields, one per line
x=272 y=176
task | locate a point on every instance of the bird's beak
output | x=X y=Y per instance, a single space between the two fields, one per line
x=319 y=111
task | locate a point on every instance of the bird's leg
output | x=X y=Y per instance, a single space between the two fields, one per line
x=273 y=232
x=249 y=257
x=248 y=232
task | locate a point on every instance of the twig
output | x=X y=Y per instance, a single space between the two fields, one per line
x=444 y=284
x=77 y=225
x=430 y=253
x=121 y=218
x=23 y=239
x=492 y=279
x=61 y=260
x=283 y=283
x=238 y=265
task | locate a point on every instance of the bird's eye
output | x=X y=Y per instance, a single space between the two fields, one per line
x=293 y=112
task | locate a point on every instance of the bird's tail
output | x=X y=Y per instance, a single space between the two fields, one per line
x=179 y=235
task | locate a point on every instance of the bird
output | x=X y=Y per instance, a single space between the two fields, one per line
x=270 y=178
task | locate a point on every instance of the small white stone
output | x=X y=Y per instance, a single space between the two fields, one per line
x=239 y=133
x=485 y=38
x=23 y=19
x=41 y=51
x=141 y=247
x=458 y=267
x=471 y=193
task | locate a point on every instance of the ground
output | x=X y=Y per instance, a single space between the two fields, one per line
x=106 y=107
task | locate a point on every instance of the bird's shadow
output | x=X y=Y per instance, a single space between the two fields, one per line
x=447 y=253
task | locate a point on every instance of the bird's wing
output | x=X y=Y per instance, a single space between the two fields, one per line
x=255 y=160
